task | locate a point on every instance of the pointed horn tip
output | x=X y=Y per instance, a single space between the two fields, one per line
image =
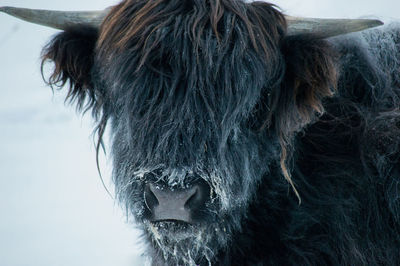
x=380 y=22
x=372 y=23
x=377 y=22
x=7 y=9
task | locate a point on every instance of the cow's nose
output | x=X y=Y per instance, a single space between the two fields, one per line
x=166 y=204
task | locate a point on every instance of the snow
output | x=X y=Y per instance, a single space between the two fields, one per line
x=54 y=209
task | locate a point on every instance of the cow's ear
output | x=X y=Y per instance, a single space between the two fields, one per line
x=72 y=53
x=310 y=76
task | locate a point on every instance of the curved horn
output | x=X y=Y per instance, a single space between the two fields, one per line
x=57 y=19
x=328 y=27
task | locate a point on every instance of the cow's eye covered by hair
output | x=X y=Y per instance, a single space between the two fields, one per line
x=241 y=136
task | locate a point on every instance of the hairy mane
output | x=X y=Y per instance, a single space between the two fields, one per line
x=141 y=25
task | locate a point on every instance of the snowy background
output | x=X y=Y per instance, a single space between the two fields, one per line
x=53 y=207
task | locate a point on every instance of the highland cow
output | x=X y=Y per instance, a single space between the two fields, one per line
x=241 y=136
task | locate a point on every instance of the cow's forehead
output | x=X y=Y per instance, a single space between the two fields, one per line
x=145 y=24
x=200 y=54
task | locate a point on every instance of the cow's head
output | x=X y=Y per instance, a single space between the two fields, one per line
x=202 y=98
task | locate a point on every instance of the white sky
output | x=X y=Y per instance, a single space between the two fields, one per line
x=54 y=210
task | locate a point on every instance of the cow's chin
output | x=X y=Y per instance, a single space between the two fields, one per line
x=180 y=243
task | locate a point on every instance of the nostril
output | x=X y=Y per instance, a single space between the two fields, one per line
x=193 y=200
x=149 y=198
x=199 y=198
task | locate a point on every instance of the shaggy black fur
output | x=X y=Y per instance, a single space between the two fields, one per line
x=214 y=89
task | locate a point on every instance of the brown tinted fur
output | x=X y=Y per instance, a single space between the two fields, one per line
x=311 y=75
x=72 y=53
x=136 y=21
